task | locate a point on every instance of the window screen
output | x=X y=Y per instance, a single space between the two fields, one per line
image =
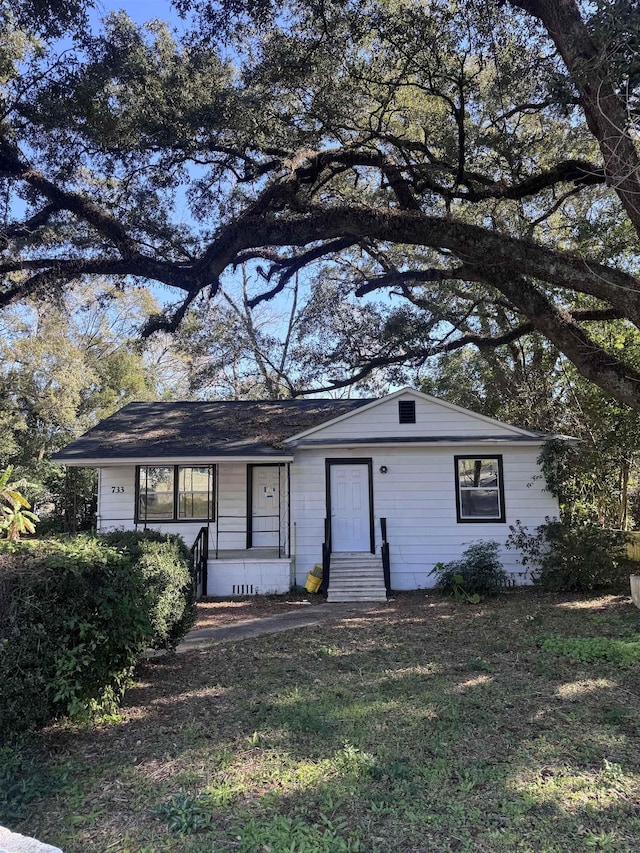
x=155 y=493
x=195 y=490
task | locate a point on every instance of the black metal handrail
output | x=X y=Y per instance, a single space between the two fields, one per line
x=326 y=558
x=386 y=562
x=199 y=557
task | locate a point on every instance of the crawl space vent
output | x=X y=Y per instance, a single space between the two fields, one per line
x=242 y=589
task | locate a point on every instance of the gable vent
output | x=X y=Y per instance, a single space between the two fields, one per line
x=407 y=411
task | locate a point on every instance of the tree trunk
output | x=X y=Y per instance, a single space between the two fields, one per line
x=624 y=494
x=604 y=111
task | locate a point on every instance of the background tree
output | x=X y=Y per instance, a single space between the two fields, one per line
x=474 y=134
x=64 y=366
x=237 y=352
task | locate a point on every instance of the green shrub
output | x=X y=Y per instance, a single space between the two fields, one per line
x=170 y=595
x=76 y=615
x=572 y=558
x=478 y=572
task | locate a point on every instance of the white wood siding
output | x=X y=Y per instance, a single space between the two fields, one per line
x=232 y=507
x=381 y=421
x=117 y=507
x=417 y=497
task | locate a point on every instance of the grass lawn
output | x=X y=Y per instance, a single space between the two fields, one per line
x=424 y=725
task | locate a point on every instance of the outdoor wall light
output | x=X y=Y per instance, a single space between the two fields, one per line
x=383 y=469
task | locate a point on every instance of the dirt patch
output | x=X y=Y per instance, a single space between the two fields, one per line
x=219 y=612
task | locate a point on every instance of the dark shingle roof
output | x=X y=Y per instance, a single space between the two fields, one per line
x=219 y=428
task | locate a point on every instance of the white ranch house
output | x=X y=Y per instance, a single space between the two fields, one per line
x=376 y=490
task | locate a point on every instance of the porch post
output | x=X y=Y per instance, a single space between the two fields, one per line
x=217 y=504
x=289 y=509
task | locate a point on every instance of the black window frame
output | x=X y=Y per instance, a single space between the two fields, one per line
x=406 y=411
x=175 y=518
x=501 y=519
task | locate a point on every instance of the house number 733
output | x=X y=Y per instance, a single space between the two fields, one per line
x=117 y=490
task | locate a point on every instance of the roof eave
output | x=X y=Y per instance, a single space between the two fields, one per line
x=112 y=461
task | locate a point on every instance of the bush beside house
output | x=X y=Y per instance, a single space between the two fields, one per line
x=573 y=557
x=76 y=615
x=478 y=572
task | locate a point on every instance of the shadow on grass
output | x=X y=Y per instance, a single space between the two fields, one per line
x=431 y=727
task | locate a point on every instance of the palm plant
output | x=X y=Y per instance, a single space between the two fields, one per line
x=16 y=517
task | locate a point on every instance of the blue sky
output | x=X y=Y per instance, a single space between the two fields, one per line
x=139 y=10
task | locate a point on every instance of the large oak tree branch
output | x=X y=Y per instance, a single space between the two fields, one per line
x=13 y=165
x=323 y=224
x=472 y=244
x=558 y=326
x=417 y=356
x=604 y=110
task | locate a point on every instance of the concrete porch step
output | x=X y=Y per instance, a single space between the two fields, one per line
x=360 y=569
x=360 y=595
x=356 y=577
x=365 y=560
x=347 y=582
x=356 y=573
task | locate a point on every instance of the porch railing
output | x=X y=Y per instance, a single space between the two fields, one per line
x=326 y=558
x=386 y=562
x=199 y=556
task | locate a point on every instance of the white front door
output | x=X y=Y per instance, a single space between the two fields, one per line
x=350 y=515
x=265 y=506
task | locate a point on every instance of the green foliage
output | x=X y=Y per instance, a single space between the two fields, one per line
x=16 y=517
x=163 y=561
x=23 y=778
x=283 y=834
x=75 y=617
x=479 y=665
x=184 y=813
x=71 y=631
x=569 y=558
x=64 y=365
x=478 y=572
x=619 y=652
x=354 y=762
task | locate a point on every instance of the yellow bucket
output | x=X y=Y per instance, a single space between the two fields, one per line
x=313 y=583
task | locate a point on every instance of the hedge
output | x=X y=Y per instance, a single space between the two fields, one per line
x=76 y=615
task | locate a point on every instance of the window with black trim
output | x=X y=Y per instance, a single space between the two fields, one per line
x=479 y=488
x=174 y=493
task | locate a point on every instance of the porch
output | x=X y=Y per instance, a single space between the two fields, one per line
x=251 y=512
x=253 y=571
x=240 y=571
